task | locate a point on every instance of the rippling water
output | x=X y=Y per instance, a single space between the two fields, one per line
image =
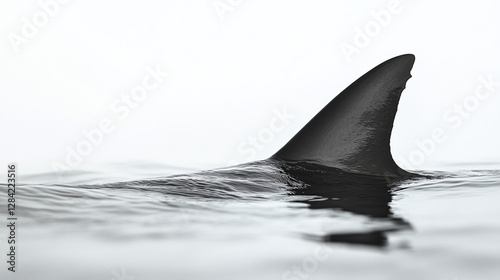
x=257 y=221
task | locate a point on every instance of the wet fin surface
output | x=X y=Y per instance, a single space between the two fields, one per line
x=353 y=131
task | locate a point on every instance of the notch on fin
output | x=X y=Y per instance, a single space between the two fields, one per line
x=353 y=131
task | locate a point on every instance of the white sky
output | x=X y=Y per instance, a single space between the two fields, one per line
x=229 y=75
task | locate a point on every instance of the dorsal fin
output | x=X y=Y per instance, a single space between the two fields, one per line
x=353 y=131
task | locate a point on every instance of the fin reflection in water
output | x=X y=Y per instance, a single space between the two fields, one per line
x=359 y=194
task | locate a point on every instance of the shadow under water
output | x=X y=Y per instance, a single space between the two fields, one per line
x=331 y=188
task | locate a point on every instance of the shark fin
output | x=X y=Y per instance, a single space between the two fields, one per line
x=353 y=131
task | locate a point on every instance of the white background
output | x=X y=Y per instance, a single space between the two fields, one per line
x=230 y=70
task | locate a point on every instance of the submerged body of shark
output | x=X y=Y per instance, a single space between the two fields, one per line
x=342 y=156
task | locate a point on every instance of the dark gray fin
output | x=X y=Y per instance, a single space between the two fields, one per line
x=353 y=131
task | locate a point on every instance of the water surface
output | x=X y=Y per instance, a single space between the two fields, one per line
x=256 y=221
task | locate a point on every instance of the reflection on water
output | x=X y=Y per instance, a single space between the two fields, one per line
x=330 y=188
x=258 y=221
